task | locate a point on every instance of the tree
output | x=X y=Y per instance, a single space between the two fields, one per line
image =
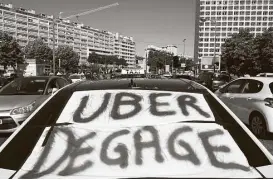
x=176 y=63
x=237 y=53
x=69 y=58
x=158 y=59
x=38 y=50
x=94 y=58
x=10 y=52
x=263 y=51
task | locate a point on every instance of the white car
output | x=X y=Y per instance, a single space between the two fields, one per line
x=265 y=75
x=77 y=77
x=157 y=128
x=251 y=99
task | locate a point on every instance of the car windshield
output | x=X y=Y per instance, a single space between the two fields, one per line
x=124 y=133
x=75 y=77
x=25 y=86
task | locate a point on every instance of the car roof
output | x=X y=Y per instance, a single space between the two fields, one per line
x=141 y=83
x=38 y=77
x=262 y=79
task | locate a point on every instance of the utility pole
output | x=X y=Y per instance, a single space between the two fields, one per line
x=184 y=41
x=53 y=49
x=146 y=62
x=214 y=56
x=54 y=39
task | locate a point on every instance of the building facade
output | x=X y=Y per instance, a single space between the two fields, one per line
x=27 y=25
x=228 y=16
x=171 y=49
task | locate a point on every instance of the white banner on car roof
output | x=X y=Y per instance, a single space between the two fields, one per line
x=126 y=108
x=197 y=150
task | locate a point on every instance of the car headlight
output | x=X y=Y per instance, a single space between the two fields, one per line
x=23 y=110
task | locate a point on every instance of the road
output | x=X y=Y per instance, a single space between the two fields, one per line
x=268 y=143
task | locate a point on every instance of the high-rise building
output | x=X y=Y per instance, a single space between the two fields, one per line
x=27 y=25
x=228 y=16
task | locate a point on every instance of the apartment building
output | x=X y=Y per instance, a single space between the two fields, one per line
x=228 y=16
x=27 y=25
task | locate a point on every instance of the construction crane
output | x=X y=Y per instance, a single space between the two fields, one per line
x=77 y=16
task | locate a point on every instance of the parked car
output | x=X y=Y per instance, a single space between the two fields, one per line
x=21 y=97
x=107 y=129
x=265 y=75
x=185 y=77
x=3 y=82
x=251 y=99
x=219 y=79
x=65 y=77
x=205 y=78
x=77 y=77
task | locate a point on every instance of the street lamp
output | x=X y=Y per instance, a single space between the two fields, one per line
x=215 y=25
x=184 y=41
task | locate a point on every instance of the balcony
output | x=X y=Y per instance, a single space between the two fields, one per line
x=9 y=16
x=33 y=27
x=9 y=29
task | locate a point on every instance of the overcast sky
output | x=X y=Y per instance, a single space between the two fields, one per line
x=156 y=22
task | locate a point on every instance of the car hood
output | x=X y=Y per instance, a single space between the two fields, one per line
x=8 y=102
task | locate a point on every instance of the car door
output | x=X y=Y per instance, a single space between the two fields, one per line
x=230 y=94
x=249 y=97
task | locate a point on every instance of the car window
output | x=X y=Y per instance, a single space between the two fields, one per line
x=261 y=75
x=62 y=82
x=112 y=129
x=52 y=84
x=25 y=86
x=252 y=86
x=234 y=87
x=270 y=75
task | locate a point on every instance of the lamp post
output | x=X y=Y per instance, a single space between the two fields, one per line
x=215 y=26
x=184 y=42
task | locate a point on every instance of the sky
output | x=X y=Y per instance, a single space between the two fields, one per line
x=149 y=22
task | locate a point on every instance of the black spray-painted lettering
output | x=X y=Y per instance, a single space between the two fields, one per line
x=77 y=115
x=183 y=103
x=139 y=145
x=155 y=104
x=122 y=160
x=119 y=102
x=73 y=150
x=210 y=149
x=191 y=156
